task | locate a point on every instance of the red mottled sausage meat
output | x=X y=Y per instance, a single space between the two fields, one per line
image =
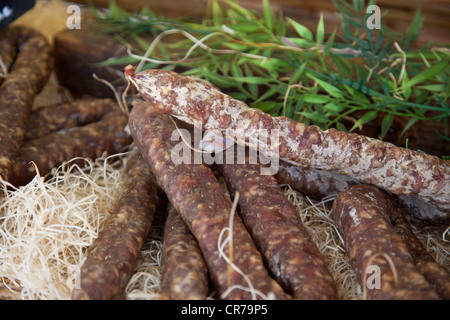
x=89 y=141
x=317 y=184
x=184 y=274
x=314 y=183
x=46 y=120
x=378 y=254
x=199 y=198
x=436 y=275
x=278 y=232
x=26 y=78
x=113 y=255
x=370 y=161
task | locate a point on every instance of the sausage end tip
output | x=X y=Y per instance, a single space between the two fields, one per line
x=129 y=70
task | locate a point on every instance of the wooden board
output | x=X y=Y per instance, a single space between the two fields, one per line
x=399 y=13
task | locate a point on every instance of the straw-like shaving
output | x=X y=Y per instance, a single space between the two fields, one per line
x=145 y=282
x=46 y=226
x=318 y=221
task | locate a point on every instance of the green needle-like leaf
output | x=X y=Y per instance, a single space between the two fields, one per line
x=386 y=125
x=330 y=89
x=320 y=32
x=368 y=116
x=426 y=74
x=258 y=57
x=301 y=30
x=269 y=16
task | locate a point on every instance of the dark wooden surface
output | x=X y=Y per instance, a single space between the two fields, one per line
x=400 y=13
x=76 y=53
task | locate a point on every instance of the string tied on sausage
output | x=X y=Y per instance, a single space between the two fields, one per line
x=120 y=101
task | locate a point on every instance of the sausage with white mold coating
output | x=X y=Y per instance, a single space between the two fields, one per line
x=28 y=75
x=370 y=161
x=377 y=253
x=112 y=256
x=184 y=274
x=317 y=184
x=202 y=203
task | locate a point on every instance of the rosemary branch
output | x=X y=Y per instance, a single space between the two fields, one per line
x=280 y=66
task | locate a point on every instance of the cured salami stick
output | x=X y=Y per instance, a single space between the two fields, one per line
x=8 y=52
x=28 y=75
x=278 y=232
x=44 y=121
x=371 y=161
x=314 y=183
x=378 y=254
x=436 y=275
x=317 y=184
x=113 y=255
x=89 y=141
x=199 y=198
x=184 y=274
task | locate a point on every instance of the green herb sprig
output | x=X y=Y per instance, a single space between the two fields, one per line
x=281 y=67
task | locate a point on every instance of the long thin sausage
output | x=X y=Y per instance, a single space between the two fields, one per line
x=46 y=120
x=199 y=198
x=89 y=141
x=378 y=254
x=113 y=255
x=436 y=275
x=314 y=183
x=371 y=161
x=277 y=229
x=184 y=274
x=28 y=75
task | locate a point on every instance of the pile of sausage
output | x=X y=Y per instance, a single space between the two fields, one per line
x=264 y=251
x=37 y=140
x=229 y=230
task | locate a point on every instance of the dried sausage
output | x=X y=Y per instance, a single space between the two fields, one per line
x=378 y=254
x=199 y=198
x=27 y=77
x=278 y=232
x=46 y=120
x=317 y=184
x=370 y=161
x=89 y=141
x=436 y=275
x=112 y=256
x=184 y=274
x=314 y=183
